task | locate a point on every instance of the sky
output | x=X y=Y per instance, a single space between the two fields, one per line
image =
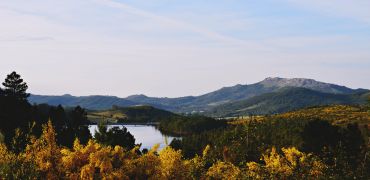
x=172 y=48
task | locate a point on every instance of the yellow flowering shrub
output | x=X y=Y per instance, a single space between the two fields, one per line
x=45 y=153
x=144 y=166
x=172 y=166
x=223 y=170
x=44 y=159
x=93 y=161
x=13 y=166
x=197 y=165
x=292 y=163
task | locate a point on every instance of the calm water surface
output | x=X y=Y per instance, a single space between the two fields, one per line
x=147 y=135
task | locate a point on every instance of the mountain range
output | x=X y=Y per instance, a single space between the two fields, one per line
x=272 y=95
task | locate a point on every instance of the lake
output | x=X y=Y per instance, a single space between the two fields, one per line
x=147 y=135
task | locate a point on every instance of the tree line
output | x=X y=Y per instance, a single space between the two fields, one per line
x=21 y=120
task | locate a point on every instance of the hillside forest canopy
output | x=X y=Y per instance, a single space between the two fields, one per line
x=39 y=141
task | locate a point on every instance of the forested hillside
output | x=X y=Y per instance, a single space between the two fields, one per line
x=285 y=100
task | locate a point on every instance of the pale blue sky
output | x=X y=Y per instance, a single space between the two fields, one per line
x=177 y=47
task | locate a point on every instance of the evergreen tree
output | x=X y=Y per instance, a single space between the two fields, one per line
x=15 y=87
x=114 y=136
x=75 y=126
x=15 y=111
x=319 y=136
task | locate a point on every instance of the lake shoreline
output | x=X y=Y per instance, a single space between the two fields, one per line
x=130 y=123
x=145 y=134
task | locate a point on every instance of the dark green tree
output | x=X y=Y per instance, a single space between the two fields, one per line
x=114 y=136
x=15 y=111
x=15 y=87
x=78 y=117
x=352 y=148
x=318 y=136
x=75 y=126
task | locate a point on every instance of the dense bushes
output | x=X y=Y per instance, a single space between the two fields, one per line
x=342 y=149
x=43 y=158
x=189 y=124
x=115 y=136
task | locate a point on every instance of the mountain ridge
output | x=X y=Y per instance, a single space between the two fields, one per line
x=202 y=103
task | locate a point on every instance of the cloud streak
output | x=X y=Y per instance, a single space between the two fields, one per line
x=176 y=23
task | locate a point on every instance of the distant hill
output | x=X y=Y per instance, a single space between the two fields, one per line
x=285 y=100
x=136 y=114
x=89 y=102
x=196 y=104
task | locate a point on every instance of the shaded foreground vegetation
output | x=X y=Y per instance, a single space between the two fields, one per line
x=343 y=149
x=43 y=158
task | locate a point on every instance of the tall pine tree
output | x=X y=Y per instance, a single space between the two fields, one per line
x=15 y=87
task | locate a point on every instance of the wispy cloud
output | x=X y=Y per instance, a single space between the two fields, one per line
x=177 y=23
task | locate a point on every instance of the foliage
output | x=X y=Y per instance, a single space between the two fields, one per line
x=243 y=143
x=172 y=166
x=114 y=137
x=223 y=170
x=342 y=149
x=336 y=114
x=44 y=158
x=293 y=164
x=69 y=123
x=15 y=111
x=45 y=153
x=19 y=120
x=15 y=87
x=189 y=125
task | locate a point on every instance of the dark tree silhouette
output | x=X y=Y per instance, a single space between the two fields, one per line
x=114 y=136
x=15 y=111
x=15 y=87
x=75 y=126
x=352 y=145
x=319 y=135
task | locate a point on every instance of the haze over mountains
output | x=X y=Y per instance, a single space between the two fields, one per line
x=272 y=95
